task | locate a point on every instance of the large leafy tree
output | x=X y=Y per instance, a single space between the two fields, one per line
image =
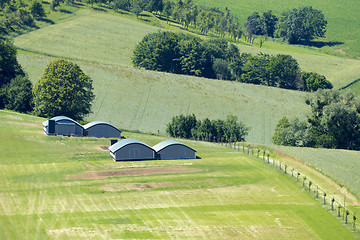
x=312 y=81
x=19 y=95
x=303 y=24
x=63 y=89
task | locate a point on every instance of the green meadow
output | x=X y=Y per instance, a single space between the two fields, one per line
x=340 y=165
x=342 y=32
x=55 y=188
x=109 y=39
x=146 y=101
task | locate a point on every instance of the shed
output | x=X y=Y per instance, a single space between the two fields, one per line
x=62 y=125
x=101 y=129
x=131 y=149
x=171 y=149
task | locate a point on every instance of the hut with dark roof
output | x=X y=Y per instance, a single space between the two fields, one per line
x=101 y=129
x=62 y=125
x=171 y=149
x=131 y=149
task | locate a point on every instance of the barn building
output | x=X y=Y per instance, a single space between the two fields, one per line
x=171 y=149
x=101 y=129
x=131 y=149
x=62 y=125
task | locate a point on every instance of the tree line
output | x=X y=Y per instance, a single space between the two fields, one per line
x=63 y=89
x=187 y=126
x=299 y=25
x=215 y=58
x=334 y=122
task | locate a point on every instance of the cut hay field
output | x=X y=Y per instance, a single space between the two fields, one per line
x=109 y=39
x=143 y=100
x=343 y=19
x=45 y=193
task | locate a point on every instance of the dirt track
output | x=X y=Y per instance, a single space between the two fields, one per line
x=131 y=172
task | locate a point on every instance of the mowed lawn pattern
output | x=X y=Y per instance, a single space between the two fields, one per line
x=230 y=196
x=110 y=39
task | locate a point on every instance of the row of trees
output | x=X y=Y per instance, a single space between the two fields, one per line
x=296 y=26
x=334 y=122
x=186 y=54
x=17 y=14
x=63 y=89
x=228 y=130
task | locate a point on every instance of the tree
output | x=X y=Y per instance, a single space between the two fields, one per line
x=255 y=25
x=9 y=68
x=302 y=24
x=19 y=95
x=312 y=81
x=167 y=9
x=136 y=7
x=279 y=136
x=121 y=4
x=37 y=10
x=269 y=23
x=284 y=70
x=221 y=69
x=63 y=89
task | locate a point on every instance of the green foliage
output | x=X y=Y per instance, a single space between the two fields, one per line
x=229 y=130
x=303 y=24
x=19 y=95
x=64 y=90
x=313 y=81
x=333 y=123
x=9 y=70
x=37 y=10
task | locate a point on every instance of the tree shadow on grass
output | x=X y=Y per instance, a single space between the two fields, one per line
x=65 y=11
x=320 y=44
x=45 y=20
x=99 y=9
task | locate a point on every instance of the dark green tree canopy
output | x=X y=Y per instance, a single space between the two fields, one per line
x=313 y=81
x=303 y=24
x=334 y=122
x=63 y=89
x=19 y=96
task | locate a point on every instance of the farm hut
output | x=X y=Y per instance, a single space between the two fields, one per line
x=131 y=149
x=172 y=149
x=101 y=129
x=62 y=125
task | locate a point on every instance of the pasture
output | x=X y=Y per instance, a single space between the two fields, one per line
x=340 y=165
x=109 y=39
x=342 y=33
x=142 y=100
x=59 y=188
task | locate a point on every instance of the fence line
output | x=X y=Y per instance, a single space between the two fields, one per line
x=307 y=183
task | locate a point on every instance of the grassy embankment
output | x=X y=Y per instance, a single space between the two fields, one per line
x=47 y=191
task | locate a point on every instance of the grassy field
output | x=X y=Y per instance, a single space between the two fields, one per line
x=328 y=162
x=105 y=38
x=61 y=188
x=342 y=16
x=146 y=101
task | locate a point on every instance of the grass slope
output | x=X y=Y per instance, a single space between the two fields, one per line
x=110 y=39
x=146 y=101
x=342 y=17
x=230 y=196
x=341 y=165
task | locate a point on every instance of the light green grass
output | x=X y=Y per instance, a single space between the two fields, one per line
x=109 y=38
x=231 y=197
x=342 y=16
x=146 y=101
x=341 y=165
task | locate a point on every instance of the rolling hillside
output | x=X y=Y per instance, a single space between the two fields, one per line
x=56 y=187
x=143 y=100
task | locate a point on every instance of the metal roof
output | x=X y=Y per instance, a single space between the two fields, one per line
x=117 y=146
x=94 y=123
x=164 y=144
x=59 y=118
